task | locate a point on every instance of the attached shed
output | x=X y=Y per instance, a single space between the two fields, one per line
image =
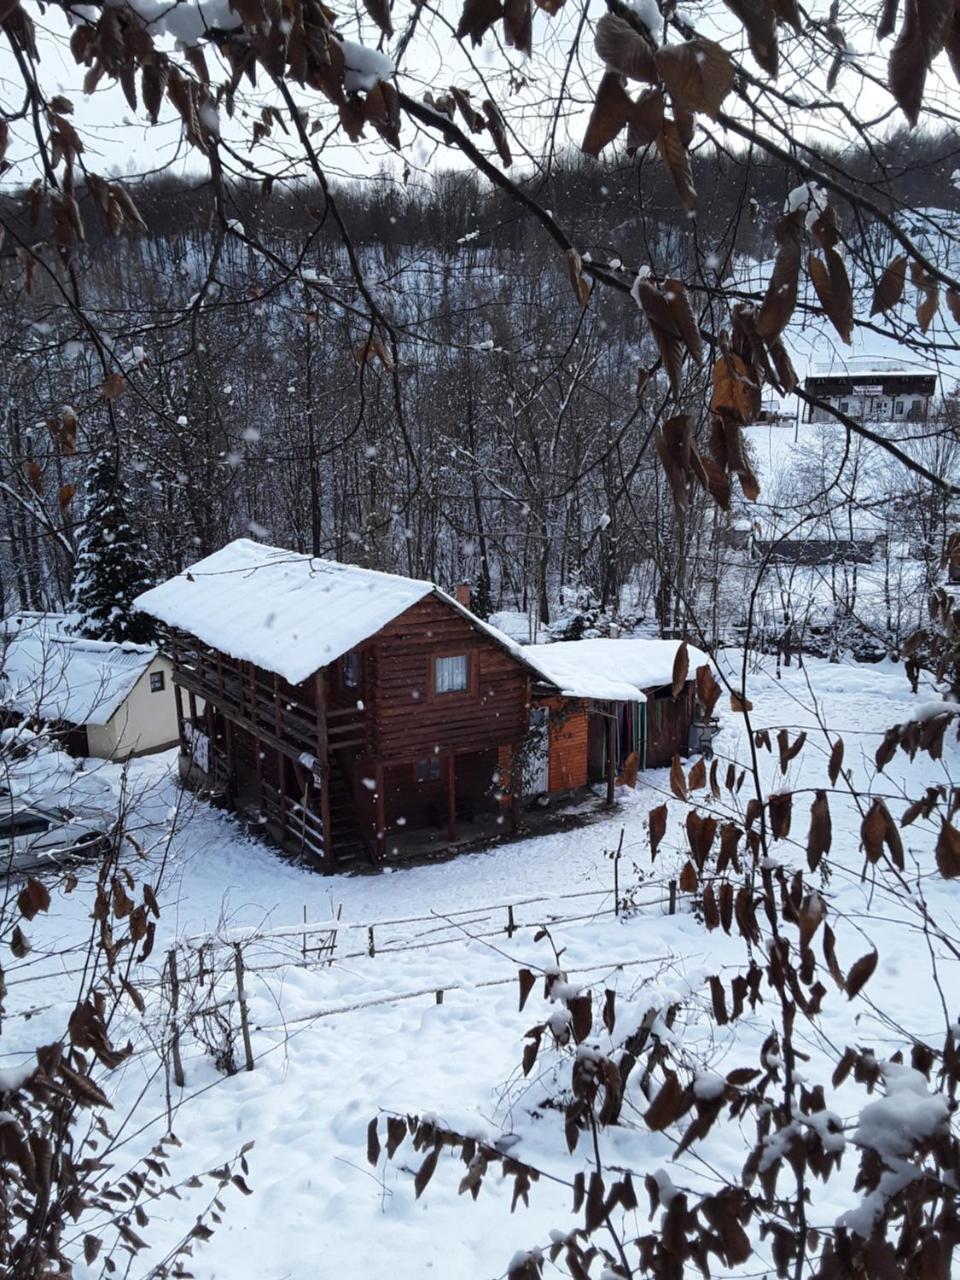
x=102 y=699
x=616 y=699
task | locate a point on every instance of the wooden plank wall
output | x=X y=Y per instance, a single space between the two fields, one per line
x=568 y=721
x=409 y=720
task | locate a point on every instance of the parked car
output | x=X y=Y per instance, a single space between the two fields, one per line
x=35 y=839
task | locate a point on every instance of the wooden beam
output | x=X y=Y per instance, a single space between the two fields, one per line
x=451 y=797
x=380 y=807
x=178 y=699
x=611 y=757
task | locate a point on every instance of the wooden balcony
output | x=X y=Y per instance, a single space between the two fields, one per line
x=258 y=702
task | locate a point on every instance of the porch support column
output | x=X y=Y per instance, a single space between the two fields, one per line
x=611 y=755
x=178 y=699
x=451 y=797
x=380 y=812
x=323 y=761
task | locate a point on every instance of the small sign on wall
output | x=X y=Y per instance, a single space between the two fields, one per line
x=199 y=747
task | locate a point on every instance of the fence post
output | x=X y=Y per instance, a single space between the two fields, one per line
x=440 y=995
x=242 y=1001
x=673 y=897
x=511 y=923
x=304 y=933
x=371 y=948
x=616 y=875
x=178 y=1076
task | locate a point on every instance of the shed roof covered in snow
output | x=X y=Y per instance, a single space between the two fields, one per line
x=610 y=670
x=46 y=672
x=287 y=612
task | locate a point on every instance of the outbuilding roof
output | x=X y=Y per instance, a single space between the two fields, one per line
x=46 y=672
x=610 y=670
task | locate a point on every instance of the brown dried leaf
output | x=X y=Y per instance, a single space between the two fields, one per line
x=832 y=284
x=861 y=971
x=612 y=109
x=674 y=154
x=780 y=299
x=698 y=74
x=759 y=19
x=734 y=390
x=112 y=386
x=657 y=819
x=948 y=851
x=624 y=50
x=581 y=286
x=820 y=835
x=889 y=289
x=681 y=666
x=678 y=783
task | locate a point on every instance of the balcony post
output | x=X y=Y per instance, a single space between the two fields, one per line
x=323 y=761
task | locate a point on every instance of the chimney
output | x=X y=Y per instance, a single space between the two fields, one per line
x=462 y=594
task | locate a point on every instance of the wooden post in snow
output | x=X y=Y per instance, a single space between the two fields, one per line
x=178 y=1076
x=242 y=1001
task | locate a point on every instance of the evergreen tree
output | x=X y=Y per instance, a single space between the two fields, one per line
x=110 y=570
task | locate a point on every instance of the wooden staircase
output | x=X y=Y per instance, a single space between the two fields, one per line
x=349 y=846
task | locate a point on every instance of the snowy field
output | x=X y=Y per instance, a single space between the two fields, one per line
x=336 y=1044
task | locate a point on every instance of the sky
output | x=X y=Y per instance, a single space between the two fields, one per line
x=117 y=141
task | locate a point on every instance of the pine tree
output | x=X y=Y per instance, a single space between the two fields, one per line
x=110 y=570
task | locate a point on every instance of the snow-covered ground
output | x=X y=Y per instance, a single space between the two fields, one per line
x=336 y=1043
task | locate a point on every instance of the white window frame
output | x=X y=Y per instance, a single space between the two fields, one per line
x=451 y=673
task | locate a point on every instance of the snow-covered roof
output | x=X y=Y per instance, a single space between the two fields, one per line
x=46 y=672
x=287 y=612
x=610 y=670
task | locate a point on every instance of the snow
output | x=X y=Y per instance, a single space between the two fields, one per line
x=336 y=1044
x=46 y=672
x=908 y=1113
x=364 y=67
x=649 y=14
x=608 y=670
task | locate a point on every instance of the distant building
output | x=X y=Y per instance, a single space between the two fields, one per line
x=100 y=698
x=871 y=388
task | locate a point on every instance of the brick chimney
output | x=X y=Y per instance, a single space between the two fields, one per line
x=463 y=594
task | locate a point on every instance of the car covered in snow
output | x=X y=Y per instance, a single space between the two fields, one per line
x=36 y=839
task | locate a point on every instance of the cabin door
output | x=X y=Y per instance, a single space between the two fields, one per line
x=538 y=761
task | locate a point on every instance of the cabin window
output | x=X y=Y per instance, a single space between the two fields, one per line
x=351 y=670
x=898 y=409
x=452 y=675
x=844 y=406
x=428 y=769
x=156 y=682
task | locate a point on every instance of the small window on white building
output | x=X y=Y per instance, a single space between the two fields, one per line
x=844 y=406
x=156 y=682
x=898 y=409
x=452 y=675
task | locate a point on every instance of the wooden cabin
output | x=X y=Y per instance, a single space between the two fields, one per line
x=349 y=708
x=601 y=701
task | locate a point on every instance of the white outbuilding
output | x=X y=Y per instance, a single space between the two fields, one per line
x=103 y=699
